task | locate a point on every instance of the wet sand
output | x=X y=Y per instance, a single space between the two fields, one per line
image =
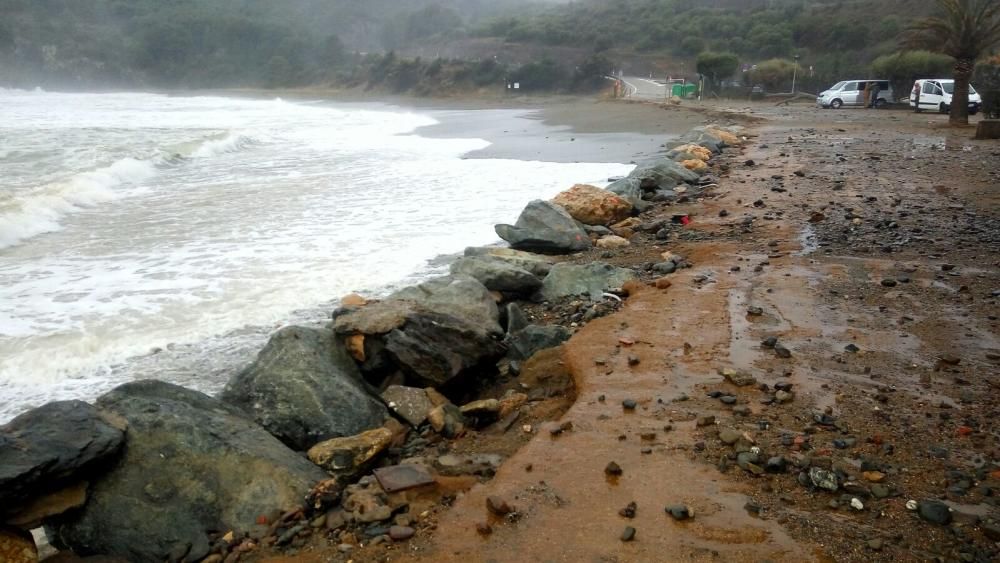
x=892 y=247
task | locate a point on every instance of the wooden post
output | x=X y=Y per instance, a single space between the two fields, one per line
x=988 y=129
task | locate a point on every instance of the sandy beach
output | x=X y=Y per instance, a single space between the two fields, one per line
x=875 y=268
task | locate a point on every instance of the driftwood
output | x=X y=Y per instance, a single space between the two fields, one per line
x=793 y=97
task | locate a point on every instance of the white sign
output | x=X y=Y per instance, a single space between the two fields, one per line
x=517 y=85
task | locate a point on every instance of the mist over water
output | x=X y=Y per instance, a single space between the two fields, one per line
x=194 y=226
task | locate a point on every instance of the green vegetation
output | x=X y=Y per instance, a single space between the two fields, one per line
x=542 y=44
x=833 y=38
x=216 y=43
x=773 y=74
x=716 y=67
x=964 y=30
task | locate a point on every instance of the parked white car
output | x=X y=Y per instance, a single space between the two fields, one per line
x=935 y=95
x=852 y=93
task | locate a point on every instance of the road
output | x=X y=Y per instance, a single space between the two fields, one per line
x=644 y=88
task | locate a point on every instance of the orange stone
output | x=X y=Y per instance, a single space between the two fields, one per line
x=662 y=283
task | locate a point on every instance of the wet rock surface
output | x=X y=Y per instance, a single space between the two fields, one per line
x=545 y=227
x=191 y=465
x=304 y=388
x=52 y=446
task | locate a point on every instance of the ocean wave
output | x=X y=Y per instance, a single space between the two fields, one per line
x=228 y=144
x=23 y=216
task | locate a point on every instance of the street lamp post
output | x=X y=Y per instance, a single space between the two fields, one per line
x=795 y=72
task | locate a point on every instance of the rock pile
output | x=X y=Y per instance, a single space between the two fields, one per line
x=155 y=472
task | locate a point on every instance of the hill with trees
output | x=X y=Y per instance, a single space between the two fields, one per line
x=427 y=46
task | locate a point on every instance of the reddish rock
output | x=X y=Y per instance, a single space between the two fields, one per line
x=17 y=546
x=592 y=205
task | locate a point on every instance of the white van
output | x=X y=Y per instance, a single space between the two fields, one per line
x=935 y=94
x=852 y=93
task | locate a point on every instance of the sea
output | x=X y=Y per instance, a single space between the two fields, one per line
x=162 y=236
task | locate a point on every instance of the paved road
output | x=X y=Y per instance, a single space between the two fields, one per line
x=644 y=88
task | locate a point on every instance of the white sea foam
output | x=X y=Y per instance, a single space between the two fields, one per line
x=24 y=215
x=273 y=207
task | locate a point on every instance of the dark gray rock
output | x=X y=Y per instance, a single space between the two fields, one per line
x=568 y=280
x=433 y=348
x=537 y=264
x=524 y=343
x=678 y=511
x=304 y=388
x=410 y=403
x=630 y=189
x=934 y=511
x=516 y=320
x=191 y=465
x=52 y=446
x=460 y=296
x=545 y=227
x=431 y=332
x=663 y=173
x=497 y=275
x=823 y=479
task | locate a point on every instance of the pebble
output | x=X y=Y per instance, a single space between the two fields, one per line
x=401 y=533
x=852 y=348
x=629 y=510
x=629 y=404
x=633 y=360
x=755 y=311
x=498 y=506
x=483 y=528
x=875 y=544
x=613 y=469
x=769 y=342
x=679 y=512
x=781 y=351
x=889 y=282
x=705 y=421
x=628 y=534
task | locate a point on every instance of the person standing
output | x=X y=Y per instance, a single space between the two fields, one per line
x=875 y=89
x=866 y=93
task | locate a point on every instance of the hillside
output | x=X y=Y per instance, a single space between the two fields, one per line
x=261 y=43
x=199 y=43
x=832 y=36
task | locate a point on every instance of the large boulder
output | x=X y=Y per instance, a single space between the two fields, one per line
x=568 y=280
x=431 y=332
x=191 y=466
x=497 y=275
x=456 y=295
x=304 y=388
x=663 y=173
x=591 y=205
x=538 y=264
x=434 y=348
x=57 y=444
x=545 y=227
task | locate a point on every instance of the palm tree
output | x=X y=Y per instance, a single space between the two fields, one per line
x=965 y=31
